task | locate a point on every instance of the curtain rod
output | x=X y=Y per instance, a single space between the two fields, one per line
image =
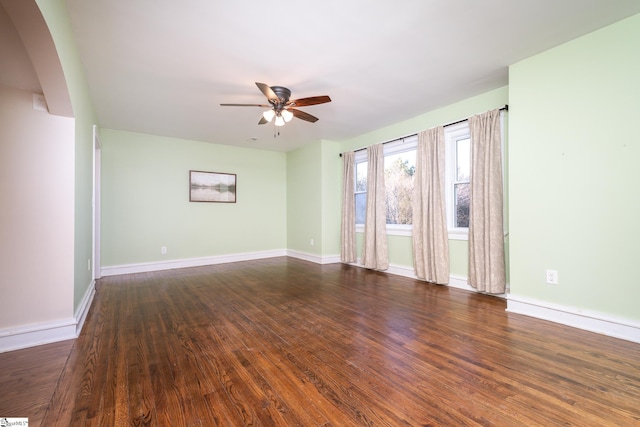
x=504 y=107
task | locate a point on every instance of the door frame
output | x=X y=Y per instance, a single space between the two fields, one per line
x=96 y=221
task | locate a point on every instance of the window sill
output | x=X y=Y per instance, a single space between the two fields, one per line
x=458 y=234
x=392 y=230
x=406 y=230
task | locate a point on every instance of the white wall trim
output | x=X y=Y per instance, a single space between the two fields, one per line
x=83 y=308
x=26 y=336
x=399 y=270
x=455 y=281
x=37 y=334
x=190 y=262
x=460 y=282
x=582 y=319
x=318 y=259
x=44 y=333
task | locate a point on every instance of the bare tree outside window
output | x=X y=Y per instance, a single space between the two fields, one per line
x=461 y=185
x=399 y=178
x=399 y=170
x=361 y=191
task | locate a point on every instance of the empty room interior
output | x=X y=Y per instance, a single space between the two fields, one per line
x=342 y=213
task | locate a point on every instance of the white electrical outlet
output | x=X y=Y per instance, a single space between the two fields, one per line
x=163 y=250
x=552 y=277
x=312 y=242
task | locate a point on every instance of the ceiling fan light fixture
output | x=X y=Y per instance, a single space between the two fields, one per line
x=268 y=115
x=287 y=115
x=281 y=107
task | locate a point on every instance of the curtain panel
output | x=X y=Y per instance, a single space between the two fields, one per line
x=486 y=234
x=375 y=252
x=348 y=253
x=430 y=236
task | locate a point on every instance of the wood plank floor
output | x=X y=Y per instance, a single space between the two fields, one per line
x=284 y=342
x=28 y=378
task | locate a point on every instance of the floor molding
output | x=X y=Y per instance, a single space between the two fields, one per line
x=83 y=308
x=26 y=336
x=591 y=321
x=33 y=335
x=318 y=259
x=455 y=281
x=185 y=263
x=38 y=334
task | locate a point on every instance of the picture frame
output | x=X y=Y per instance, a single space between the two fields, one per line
x=213 y=187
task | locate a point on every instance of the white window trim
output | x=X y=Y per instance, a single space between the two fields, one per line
x=452 y=134
x=401 y=145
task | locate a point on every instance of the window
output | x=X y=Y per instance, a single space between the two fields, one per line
x=458 y=174
x=361 y=186
x=399 y=164
x=399 y=171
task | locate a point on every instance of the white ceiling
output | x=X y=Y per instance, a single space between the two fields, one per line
x=163 y=67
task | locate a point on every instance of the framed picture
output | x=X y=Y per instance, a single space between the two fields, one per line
x=212 y=187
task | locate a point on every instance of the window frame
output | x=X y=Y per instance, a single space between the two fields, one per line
x=360 y=157
x=401 y=145
x=452 y=135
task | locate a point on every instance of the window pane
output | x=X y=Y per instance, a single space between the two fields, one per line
x=463 y=160
x=399 y=170
x=361 y=176
x=462 y=205
x=361 y=207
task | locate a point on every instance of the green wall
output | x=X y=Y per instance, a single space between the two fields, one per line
x=574 y=180
x=145 y=200
x=304 y=196
x=400 y=247
x=314 y=204
x=57 y=19
x=331 y=198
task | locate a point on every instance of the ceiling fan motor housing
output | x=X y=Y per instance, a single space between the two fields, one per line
x=278 y=97
x=281 y=92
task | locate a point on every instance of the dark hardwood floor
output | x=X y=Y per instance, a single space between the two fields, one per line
x=287 y=342
x=28 y=378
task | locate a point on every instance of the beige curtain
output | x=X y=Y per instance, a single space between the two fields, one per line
x=374 y=253
x=348 y=229
x=430 y=237
x=486 y=238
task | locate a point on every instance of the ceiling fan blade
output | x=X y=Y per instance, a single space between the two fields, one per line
x=246 y=105
x=268 y=92
x=313 y=100
x=263 y=121
x=304 y=116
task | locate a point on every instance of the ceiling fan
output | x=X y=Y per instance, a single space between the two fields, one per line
x=281 y=107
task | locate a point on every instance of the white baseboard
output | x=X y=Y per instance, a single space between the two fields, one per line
x=458 y=282
x=591 y=321
x=398 y=270
x=318 y=259
x=83 y=309
x=26 y=336
x=37 y=334
x=185 y=263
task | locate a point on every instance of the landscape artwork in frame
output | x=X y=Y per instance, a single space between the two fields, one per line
x=212 y=187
